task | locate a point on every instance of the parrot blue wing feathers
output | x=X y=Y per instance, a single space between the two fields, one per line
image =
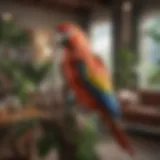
x=106 y=99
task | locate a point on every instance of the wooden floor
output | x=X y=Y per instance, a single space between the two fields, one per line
x=146 y=149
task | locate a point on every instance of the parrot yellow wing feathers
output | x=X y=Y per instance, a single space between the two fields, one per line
x=98 y=75
x=99 y=80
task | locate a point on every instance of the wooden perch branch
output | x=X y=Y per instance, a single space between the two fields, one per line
x=27 y=113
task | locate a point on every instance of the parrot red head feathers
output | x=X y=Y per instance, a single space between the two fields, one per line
x=65 y=27
x=73 y=37
x=67 y=31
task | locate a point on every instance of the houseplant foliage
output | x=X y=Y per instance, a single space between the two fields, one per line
x=155 y=76
x=125 y=69
x=25 y=77
x=11 y=34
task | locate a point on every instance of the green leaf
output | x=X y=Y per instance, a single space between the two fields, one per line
x=154 y=77
x=46 y=143
x=125 y=75
x=12 y=34
x=87 y=141
x=21 y=128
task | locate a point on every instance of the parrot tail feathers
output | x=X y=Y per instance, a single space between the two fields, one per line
x=118 y=133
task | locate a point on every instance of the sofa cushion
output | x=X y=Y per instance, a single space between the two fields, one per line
x=141 y=114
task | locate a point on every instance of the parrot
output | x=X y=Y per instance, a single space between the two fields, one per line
x=90 y=80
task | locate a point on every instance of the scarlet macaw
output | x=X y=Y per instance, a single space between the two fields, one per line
x=89 y=79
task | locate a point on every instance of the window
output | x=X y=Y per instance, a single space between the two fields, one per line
x=149 y=48
x=101 y=41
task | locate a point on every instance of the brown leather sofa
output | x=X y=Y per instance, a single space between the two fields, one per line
x=145 y=111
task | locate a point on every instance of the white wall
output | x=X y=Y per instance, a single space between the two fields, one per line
x=40 y=21
x=35 y=18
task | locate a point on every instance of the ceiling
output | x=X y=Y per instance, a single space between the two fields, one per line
x=66 y=4
x=76 y=5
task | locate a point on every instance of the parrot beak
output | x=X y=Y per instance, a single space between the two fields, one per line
x=59 y=39
x=62 y=38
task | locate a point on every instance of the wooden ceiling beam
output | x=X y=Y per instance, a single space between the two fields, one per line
x=72 y=3
x=44 y=5
x=62 y=5
x=57 y=6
